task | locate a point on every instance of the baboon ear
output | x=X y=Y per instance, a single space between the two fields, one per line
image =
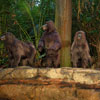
x=3 y=38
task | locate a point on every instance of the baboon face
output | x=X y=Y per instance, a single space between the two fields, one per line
x=45 y=27
x=7 y=36
x=49 y=26
x=3 y=38
x=80 y=35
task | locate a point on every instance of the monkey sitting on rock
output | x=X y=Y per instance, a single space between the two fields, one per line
x=18 y=51
x=80 y=52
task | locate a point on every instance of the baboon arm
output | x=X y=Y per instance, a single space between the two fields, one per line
x=57 y=43
x=56 y=46
x=17 y=59
x=72 y=46
x=87 y=47
x=41 y=44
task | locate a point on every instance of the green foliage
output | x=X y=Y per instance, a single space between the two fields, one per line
x=24 y=18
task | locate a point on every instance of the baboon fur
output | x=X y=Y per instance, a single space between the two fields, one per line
x=80 y=52
x=18 y=51
x=50 y=42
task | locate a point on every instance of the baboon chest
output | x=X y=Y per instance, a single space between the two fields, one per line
x=49 y=41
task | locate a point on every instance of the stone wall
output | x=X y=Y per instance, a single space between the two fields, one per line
x=26 y=83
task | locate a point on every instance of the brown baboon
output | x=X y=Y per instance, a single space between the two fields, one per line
x=18 y=51
x=51 y=43
x=80 y=51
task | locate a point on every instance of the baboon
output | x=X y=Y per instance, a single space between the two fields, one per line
x=18 y=51
x=50 y=42
x=80 y=55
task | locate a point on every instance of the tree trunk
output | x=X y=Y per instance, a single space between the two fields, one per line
x=98 y=52
x=63 y=22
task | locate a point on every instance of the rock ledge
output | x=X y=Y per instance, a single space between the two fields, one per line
x=26 y=83
x=84 y=76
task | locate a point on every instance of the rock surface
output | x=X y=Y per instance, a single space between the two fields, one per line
x=26 y=83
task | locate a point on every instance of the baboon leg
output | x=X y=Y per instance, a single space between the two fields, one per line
x=75 y=59
x=56 y=61
x=47 y=62
x=11 y=62
x=75 y=62
x=17 y=59
x=24 y=62
x=31 y=60
x=84 y=63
